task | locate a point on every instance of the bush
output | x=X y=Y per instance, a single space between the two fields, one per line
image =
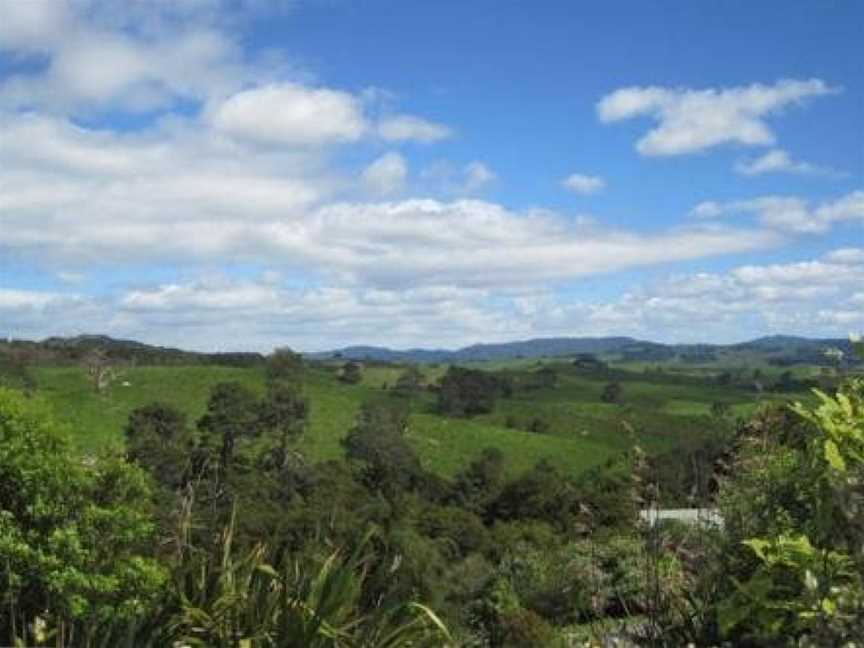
x=467 y=392
x=74 y=539
x=611 y=393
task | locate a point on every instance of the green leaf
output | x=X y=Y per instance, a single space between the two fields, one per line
x=833 y=456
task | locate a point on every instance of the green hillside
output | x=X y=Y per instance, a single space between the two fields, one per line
x=580 y=431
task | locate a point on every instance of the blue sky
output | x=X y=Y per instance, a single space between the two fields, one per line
x=251 y=174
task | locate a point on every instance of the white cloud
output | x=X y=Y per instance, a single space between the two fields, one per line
x=37 y=314
x=19 y=299
x=844 y=256
x=448 y=179
x=153 y=56
x=779 y=161
x=216 y=296
x=386 y=175
x=31 y=139
x=478 y=176
x=184 y=196
x=812 y=297
x=471 y=242
x=408 y=127
x=583 y=184
x=245 y=174
x=291 y=114
x=195 y=314
x=33 y=25
x=93 y=66
x=695 y=120
x=789 y=214
x=848 y=208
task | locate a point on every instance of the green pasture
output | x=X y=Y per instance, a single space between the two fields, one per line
x=581 y=430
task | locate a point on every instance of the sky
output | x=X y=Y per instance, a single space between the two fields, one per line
x=253 y=174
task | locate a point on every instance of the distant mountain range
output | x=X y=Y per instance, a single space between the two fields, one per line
x=783 y=349
x=780 y=350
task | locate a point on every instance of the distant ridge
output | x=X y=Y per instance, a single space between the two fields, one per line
x=780 y=350
x=76 y=348
x=784 y=349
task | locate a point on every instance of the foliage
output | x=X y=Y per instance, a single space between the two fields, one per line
x=467 y=392
x=232 y=413
x=796 y=589
x=546 y=378
x=284 y=412
x=377 y=442
x=287 y=369
x=230 y=600
x=351 y=373
x=158 y=439
x=509 y=550
x=99 y=369
x=73 y=537
x=409 y=384
x=540 y=494
x=808 y=580
x=480 y=484
x=611 y=393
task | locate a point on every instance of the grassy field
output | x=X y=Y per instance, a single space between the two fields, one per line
x=582 y=431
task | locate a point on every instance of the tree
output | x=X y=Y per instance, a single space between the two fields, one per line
x=287 y=369
x=158 y=439
x=232 y=413
x=74 y=539
x=99 y=369
x=285 y=409
x=546 y=378
x=284 y=412
x=466 y=392
x=588 y=362
x=480 y=484
x=611 y=393
x=542 y=493
x=409 y=383
x=377 y=441
x=351 y=373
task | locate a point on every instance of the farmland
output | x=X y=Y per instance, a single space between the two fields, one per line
x=656 y=411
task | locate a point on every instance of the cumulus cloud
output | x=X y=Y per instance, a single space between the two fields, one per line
x=847 y=256
x=234 y=162
x=33 y=25
x=821 y=294
x=689 y=120
x=32 y=313
x=791 y=214
x=408 y=127
x=583 y=184
x=288 y=113
x=186 y=197
x=154 y=57
x=92 y=66
x=386 y=175
x=779 y=161
x=802 y=297
x=260 y=314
